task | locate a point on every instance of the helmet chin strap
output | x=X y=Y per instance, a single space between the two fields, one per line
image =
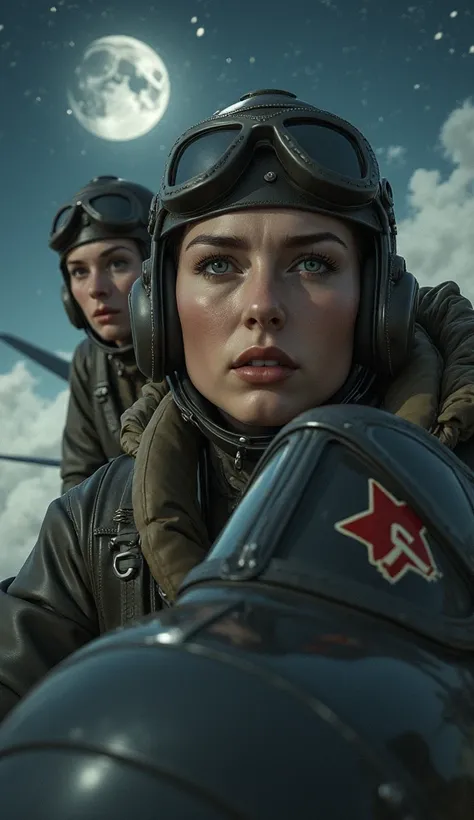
x=358 y=386
x=242 y=446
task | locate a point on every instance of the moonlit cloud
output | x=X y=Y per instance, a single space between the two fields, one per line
x=437 y=237
x=32 y=426
x=395 y=153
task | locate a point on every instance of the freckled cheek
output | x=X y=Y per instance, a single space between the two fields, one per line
x=80 y=295
x=335 y=311
x=123 y=284
x=204 y=324
x=346 y=297
x=346 y=307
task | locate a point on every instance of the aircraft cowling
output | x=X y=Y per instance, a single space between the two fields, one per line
x=304 y=671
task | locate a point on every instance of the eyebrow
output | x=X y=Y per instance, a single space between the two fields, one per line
x=107 y=252
x=293 y=241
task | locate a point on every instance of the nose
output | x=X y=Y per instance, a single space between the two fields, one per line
x=264 y=307
x=99 y=284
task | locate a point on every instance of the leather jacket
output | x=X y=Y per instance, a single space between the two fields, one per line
x=69 y=590
x=102 y=386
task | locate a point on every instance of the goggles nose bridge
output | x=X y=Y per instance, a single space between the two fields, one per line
x=84 y=216
x=262 y=134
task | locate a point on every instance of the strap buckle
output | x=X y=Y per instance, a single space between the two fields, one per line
x=101 y=392
x=131 y=555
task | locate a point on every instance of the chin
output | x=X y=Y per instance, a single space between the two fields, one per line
x=264 y=410
x=109 y=333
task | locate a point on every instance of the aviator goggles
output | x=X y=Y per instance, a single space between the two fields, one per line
x=322 y=154
x=113 y=210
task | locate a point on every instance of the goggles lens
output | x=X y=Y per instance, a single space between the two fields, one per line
x=62 y=218
x=328 y=148
x=201 y=154
x=112 y=207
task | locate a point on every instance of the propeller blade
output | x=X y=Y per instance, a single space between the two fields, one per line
x=55 y=364
x=44 y=462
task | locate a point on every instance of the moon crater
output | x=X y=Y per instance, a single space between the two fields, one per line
x=120 y=89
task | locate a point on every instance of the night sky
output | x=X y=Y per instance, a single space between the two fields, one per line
x=395 y=70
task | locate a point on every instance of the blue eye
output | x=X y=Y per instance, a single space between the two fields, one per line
x=218 y=266
x=312 y=265
x=214 y=267
x=320 y=265
x=118 y=264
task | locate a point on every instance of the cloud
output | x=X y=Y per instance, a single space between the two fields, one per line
x=394 y=154
x=29 y=425
x=64 y=355
x=437 y=237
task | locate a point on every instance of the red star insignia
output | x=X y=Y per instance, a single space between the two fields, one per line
x=394 y=536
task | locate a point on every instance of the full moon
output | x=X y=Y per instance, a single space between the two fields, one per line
x=121 y=89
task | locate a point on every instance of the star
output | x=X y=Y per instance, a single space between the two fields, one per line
x=394 y=536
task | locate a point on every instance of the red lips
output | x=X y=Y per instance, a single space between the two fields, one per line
x=264 y=366
x=266 y=354
x=104 y=311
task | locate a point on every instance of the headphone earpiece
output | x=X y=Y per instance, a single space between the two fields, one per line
x=385 y=324
x=171 y=333
x=140 y=322
x=156 y=330
x=399 y=318
x=72 y=309
x=364 y=343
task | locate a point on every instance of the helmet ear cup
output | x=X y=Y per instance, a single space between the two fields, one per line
x=74 y=313
x=398 y=323
x=141 y=322
x=156 y=330
x=385 y=324
x=173 y=360
x=364 y=344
